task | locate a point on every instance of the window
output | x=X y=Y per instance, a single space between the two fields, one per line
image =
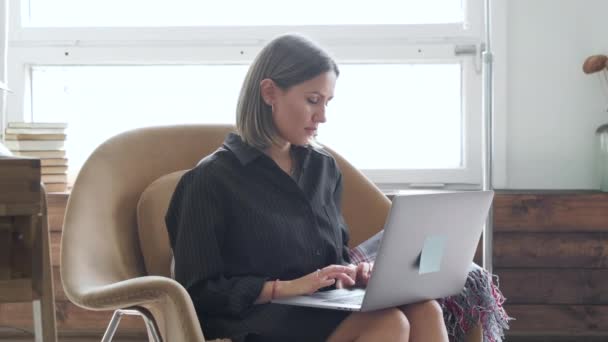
x=99 y=102
x=117 y=13
x=408 y=101
x=370 y=95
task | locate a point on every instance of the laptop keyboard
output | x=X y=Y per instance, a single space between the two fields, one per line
x=355 y=299
x=341 y=296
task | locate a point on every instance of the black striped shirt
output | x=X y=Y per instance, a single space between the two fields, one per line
x=237 y=220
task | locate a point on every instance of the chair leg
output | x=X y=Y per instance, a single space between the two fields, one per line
x=112 y=326
x=153 y=331
x=151 y=327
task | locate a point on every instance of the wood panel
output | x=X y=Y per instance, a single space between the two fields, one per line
x=559 y=319
x=552 y=250
x=17 y=290
x=550 y=337
x=554 y=286
x=55 y=248
x=56 y=210
x=551 y=256
x=20 y=184
x=70 y=318
x=573 y=212
x=59 y=292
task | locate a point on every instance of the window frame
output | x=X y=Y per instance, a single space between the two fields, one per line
x=432 y=43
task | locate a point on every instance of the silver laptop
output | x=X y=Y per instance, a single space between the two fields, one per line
x=426 y=252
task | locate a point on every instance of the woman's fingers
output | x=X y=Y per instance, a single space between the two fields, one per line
x=367 y=271
x=344 y=275
x=346 y=279
x=328 y=282
x=336 y=268
x=340 y=275
x=361 y=271
x=364 y=271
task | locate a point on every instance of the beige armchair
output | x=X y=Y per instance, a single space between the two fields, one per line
x=115 y=252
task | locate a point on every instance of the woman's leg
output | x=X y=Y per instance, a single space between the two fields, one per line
x=426 y=322
x=382 y=325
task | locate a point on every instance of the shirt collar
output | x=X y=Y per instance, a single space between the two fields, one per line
x=246 y=153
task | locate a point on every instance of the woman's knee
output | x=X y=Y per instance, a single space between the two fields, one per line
x=433 y=308
x=381 y=325
x=396 y=319
x=427 y=309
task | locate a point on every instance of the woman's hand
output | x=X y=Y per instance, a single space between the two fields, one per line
x=314 y=281
x=364 y=272
x=361 y=273
x=352 y=274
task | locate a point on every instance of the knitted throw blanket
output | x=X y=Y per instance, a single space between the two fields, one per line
x=480 y=302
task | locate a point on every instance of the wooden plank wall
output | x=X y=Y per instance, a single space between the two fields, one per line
x=550 y=253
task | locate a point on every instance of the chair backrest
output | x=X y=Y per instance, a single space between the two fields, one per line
x=114 y=227
x=364 y=206
x=100 y=241
x=153 y=236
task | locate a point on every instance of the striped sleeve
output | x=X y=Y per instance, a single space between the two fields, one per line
x=196 y=224
x=367 y=250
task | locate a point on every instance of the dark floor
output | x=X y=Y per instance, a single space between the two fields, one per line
x=557 y=338
x=15 y=335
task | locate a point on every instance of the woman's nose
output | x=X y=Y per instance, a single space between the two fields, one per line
x=320 y=115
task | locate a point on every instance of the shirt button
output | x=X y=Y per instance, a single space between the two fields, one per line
x=318 y=252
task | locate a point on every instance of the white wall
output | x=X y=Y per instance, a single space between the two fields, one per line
x=3 y=53
x=552 y=108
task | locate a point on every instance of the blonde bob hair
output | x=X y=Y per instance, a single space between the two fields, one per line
x=287 y=60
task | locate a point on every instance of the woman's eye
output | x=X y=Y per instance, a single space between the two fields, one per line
x=313 y=100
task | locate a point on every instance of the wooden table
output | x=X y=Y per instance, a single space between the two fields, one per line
x=25 y=265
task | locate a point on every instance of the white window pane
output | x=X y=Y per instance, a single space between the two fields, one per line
x=392 y=116
x=397 y=116
x=98 y=102
x=127 y=13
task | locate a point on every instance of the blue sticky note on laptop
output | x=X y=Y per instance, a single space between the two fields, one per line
x=432 y=253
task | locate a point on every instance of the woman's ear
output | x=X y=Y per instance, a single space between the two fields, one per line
x=268 y=91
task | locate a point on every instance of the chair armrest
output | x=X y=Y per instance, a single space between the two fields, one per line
x=168 y=301
x=131 y=292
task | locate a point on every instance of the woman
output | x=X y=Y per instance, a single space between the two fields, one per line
x=259 y=218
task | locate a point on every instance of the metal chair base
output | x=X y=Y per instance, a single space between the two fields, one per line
x=151 y=327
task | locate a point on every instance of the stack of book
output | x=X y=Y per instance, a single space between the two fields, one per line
x=45 y=141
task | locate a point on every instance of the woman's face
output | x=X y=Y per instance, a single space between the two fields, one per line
x=299 y=110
